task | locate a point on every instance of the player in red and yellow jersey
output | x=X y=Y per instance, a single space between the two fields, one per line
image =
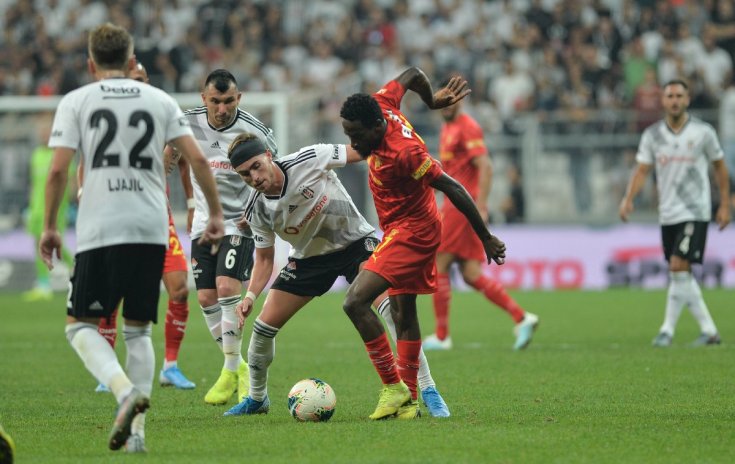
x=464 y=157
x=402 y=175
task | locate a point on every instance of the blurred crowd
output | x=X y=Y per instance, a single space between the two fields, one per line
x=518 y=54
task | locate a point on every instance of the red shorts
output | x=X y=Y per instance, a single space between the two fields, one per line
x=175 y=260
x=458 y=237
x=407 y=259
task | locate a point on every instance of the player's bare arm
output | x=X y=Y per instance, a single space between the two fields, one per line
x=455 y=90
x=457 y=194
x=723 y=184
x=191 y=151
x=353 y=156
x=185 y=176
x=484 y=181
x=50 y=242
x=637 y=180
x=262 y=270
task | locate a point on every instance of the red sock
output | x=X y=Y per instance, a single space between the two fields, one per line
x=408 y=363
x=108 y=328
x=495 y=292
x=176 y=317
x=441 y=305
x=382 y=357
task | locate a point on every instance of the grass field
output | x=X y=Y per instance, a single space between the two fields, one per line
x=590 y=388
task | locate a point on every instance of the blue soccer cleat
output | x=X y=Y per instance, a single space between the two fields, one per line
x=102 y=388
x=524 y=331
x=434 y=402
x=174 y=377
x=249 y=406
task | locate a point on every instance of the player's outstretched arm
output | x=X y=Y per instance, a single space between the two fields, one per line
x=262 y=271
x=637 y=180
x=415 y=79
x=456 y=193
x=723 y=184
x=50 y=242
x=190 y=150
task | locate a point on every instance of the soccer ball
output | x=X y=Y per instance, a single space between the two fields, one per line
x=311 y=400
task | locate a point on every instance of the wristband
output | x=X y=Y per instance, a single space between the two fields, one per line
x=191 y=203
x=251 y=295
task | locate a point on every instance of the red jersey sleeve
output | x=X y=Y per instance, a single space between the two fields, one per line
x=474 y=144
x=391 y=94
x=415 y=163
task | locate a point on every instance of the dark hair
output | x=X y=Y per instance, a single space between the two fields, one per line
x=362 y=107
x=220 y=79
x=680 y=82
x=110 y=46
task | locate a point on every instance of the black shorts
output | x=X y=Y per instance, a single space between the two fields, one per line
x=233 y=259
x=314 y=276
x=103 y=276
x=685 y=240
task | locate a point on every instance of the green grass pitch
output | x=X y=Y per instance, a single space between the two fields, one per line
x=589 y=389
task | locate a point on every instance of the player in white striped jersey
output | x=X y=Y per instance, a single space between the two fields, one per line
x=300 y=199
x=682 y=147
x=120 y=125
x=219 y=278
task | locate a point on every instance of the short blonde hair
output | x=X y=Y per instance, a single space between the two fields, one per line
x=110 y=46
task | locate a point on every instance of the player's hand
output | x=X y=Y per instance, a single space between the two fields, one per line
x=213 y=233
x=723 y=216
x=243 y=310
x=243 y=225
x=455 y=90
x=494 y=249
x=50 y=245
x=626 y=207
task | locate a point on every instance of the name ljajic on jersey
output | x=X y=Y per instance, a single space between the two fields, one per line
x=122 y=184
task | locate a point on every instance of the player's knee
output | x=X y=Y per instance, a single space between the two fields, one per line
x=179 y=294
x=259 y=361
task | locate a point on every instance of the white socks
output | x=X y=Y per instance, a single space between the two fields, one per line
x=231 y=334
x=261 y=351
x=684 y=290
x=140 y=365
x=425 y=379
x=699 y=310
x=99 y=358
x=213 y=318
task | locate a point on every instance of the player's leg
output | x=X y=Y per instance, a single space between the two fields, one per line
x=494 y=291
x=107 y=327
x=140 y=312
x=679 y=282
x=177 y=315
x=690 y=249
x=279 y=307
x=429 y=393
x=408 y=347
x=362 y=292
x=93 y=293
x=234 y=263
x=440 y=339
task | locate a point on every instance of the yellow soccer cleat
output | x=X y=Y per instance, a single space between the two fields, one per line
x=409 y=410
x=392 y=397
x=38 y=294
x=243 y=381
x=7 y=447
x=223 y=388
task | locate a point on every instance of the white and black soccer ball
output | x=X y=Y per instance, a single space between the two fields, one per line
x=311 y=400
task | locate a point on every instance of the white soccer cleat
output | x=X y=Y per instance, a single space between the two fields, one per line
x=432 y=343
x=524 y=331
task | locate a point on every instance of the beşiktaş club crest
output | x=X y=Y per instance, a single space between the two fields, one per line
x=370 y=244
x=291 y=266
x=235 y=240
x=307 y=193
